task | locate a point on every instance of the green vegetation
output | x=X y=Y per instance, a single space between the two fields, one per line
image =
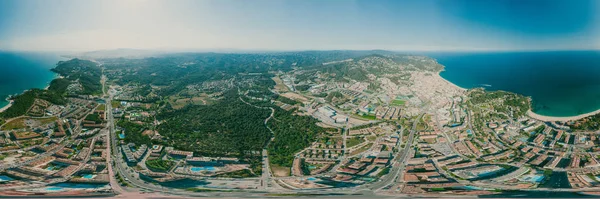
x=368 y=117
x=59 y=85
x=591 y=123
x=383 y=172
x=398 y=102
x=335 y=94
x=245 y=173
x=159 y=165
x=292 y=134
x=133 y=133
x=353 y=141
x=17 y=123
x=23 y=101
x=101 y=107
x=362 y=149
x=86 y=73
x=286 y=100
x=510 y=104
x=94 y=117
x=225 y=128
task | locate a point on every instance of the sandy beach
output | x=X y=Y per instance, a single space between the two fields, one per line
x=439 y=76
x=10 y=102
x=562 y=119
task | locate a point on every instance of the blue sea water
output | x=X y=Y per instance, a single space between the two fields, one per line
x=20 y=71
x=560 y=83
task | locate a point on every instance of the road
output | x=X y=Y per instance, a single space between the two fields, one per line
x=395 y=172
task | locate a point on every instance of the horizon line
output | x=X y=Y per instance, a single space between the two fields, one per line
x=258 y=50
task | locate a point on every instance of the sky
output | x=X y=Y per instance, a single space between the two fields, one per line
x=415 y=25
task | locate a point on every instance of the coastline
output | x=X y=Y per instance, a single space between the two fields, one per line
x=533 y=115
x=561 y=119
x=10 y=103
x=440 y=76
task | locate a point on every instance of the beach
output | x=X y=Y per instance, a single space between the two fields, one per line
x=439 y=76
x=10 y=102
x=562 y=119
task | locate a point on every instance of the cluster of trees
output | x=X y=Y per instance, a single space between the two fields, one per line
x=228 y=127
x=133 y=133
x=59 y=85
x=334 y=94
x=286 y=100
x=292 y=134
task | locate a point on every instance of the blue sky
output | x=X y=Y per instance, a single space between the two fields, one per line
x=428 y=25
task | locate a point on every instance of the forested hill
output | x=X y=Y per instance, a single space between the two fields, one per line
x=83 y=72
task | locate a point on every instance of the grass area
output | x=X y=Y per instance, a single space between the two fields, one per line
x=353 y=141
x=372 y=138
x=421 y=126
x=398 y=102
x=178 y=102
x=159 y=165
x=368 y=117
x=17 y=123
x=383 y=172
x=44 y=121
x=279 y=85
x=115 y=104
x=362 y=149
x=101 y=107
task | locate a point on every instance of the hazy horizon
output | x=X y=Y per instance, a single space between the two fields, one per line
x=182 y=25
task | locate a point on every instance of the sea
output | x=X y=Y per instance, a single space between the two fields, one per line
x=560 y=83
x=20 y=71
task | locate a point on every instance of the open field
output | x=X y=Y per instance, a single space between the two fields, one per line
x=279 y=86
x=279 y=171
x=353 y=141
x=101 y=107
x=17 y=123
x=295 y=96
x=44 y=121
x=202 y=99
x=398 y=102
x=362 y=149
x=115 y=104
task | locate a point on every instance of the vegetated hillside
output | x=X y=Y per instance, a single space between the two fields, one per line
x=23 y=101
x=511 y=104
x=85 y=72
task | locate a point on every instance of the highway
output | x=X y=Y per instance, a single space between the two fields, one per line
x=394 y=174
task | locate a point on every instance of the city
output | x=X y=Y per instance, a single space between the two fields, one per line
x=411 y=133
x=299 y=99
